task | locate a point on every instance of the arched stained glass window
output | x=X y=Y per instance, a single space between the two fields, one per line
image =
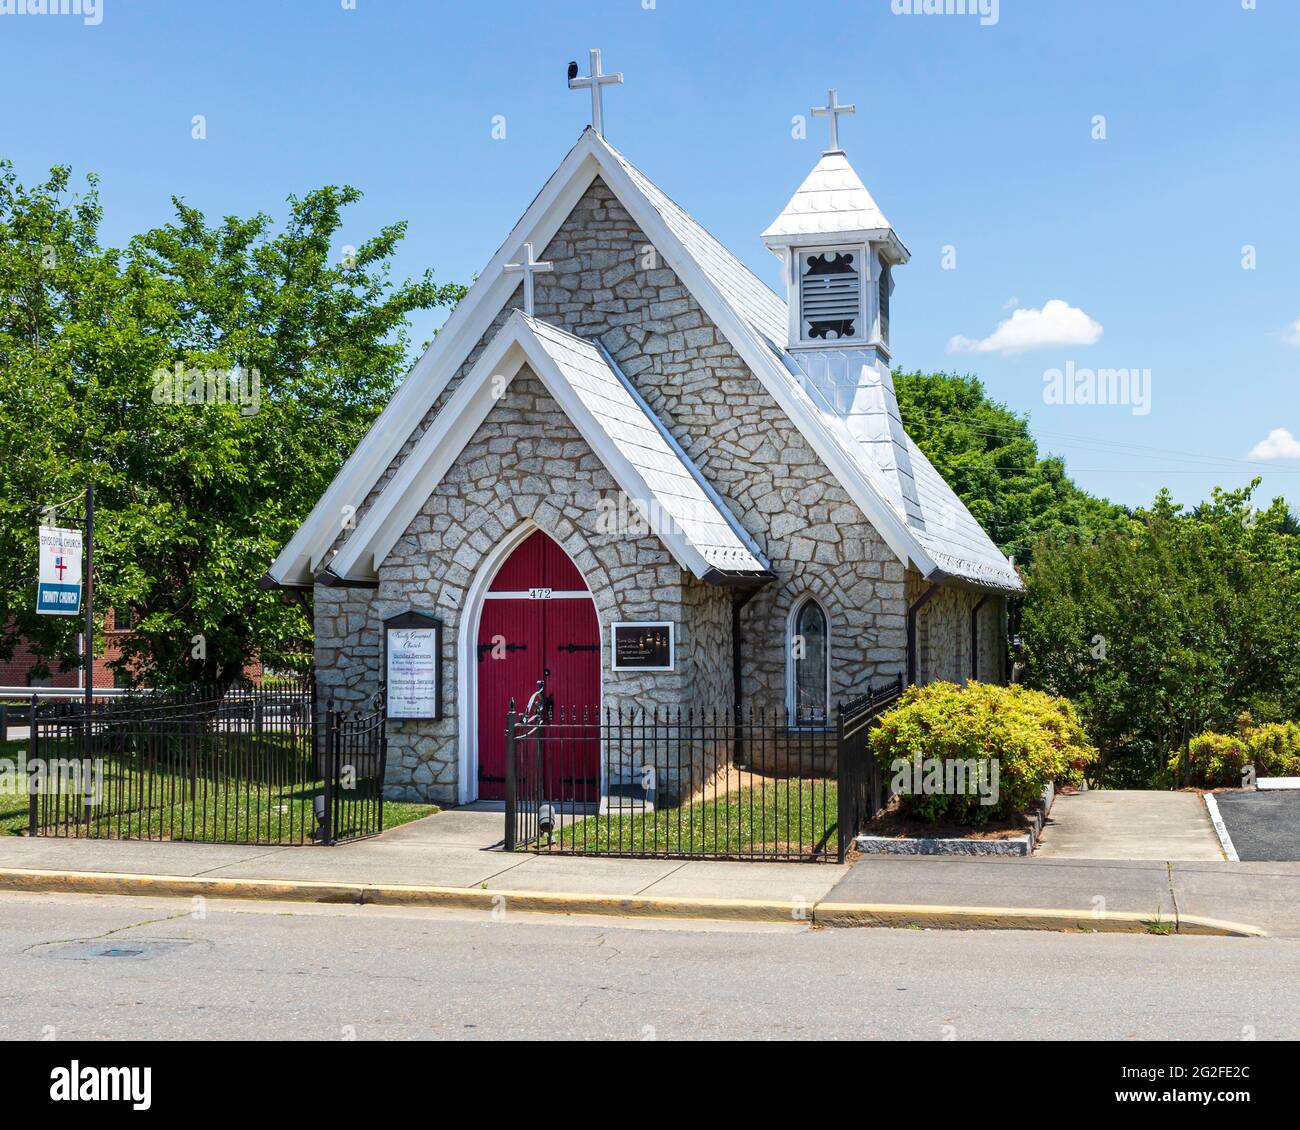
x=810 y=655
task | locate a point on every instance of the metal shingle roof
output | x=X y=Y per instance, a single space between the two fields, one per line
x=678 y=488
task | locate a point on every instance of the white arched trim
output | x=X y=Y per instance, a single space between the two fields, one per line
x=467 y=653
x=791 y=676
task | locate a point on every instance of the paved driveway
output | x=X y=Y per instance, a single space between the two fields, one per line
x=1264 y=826
x=1129 y=824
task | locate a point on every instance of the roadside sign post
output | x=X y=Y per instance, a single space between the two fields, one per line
x=60 y=587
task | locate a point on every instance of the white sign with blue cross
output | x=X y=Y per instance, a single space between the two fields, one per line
x=58 y=591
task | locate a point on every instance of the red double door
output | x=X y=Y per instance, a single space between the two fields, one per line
x=539 y=626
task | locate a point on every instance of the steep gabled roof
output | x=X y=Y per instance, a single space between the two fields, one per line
x=663 y=484
x=948 y=544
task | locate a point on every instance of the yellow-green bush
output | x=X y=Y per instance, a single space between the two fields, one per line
x=1219 y=761
x=1035 y=738
x=1216 y=761
x=1274 y=749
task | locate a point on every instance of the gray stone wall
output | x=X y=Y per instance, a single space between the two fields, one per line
x=348 y=646
x=943 y=633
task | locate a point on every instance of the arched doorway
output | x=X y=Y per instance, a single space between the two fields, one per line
x=539 y=625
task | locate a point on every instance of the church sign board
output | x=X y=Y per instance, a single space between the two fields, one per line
x=643 y=647
x=413 y=666
x=58 y=588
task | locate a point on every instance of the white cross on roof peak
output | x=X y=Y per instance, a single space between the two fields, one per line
x=597 y=82
x=833 y=110
x=529 y=267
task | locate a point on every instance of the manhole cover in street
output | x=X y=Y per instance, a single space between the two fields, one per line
x=139 y=949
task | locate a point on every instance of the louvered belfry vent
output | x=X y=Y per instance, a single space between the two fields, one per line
x=830 y=295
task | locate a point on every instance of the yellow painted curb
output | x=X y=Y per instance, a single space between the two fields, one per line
x=642 y=906
x=1023 y=918
x=461 y=898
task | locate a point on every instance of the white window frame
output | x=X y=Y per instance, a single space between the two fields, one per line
x=791 y=671
x=863 y=253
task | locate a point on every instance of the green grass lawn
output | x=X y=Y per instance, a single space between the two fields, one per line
x=218 y=809
x=779 y=818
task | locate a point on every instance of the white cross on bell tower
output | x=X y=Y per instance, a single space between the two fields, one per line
x=833 y=110
x=597 y=81
x=529 y=267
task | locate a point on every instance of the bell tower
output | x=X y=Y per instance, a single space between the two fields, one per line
x=838 y=254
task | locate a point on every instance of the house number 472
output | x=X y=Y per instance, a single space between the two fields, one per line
x=539 y=594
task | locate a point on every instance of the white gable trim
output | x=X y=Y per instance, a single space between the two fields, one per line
x=397 y=506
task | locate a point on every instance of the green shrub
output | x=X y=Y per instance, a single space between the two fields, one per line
x=1033 y=737
x=1216 y=761
x=1274 y=749
x=1219 y=760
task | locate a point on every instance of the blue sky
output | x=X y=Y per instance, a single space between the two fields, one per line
x=971 y=136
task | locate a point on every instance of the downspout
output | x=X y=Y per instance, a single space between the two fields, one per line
x=975 y=636
x=738 y=601
x=912 y=613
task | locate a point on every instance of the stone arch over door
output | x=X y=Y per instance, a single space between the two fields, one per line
x=530 y=618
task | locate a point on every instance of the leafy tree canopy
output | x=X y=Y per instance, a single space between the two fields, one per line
x=210 y=378
x=1174 y=616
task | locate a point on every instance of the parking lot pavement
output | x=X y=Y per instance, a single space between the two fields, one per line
x=1264 y=826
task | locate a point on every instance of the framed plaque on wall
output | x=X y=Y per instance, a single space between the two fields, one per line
x=413 y=666
x=648 y=646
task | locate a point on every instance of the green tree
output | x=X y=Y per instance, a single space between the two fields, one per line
x=1175 y=616
x=988 y=456
x=283 y=350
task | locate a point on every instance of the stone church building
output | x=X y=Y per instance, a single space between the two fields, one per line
x=628 y=470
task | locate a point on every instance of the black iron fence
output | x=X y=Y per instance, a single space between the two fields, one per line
x=226 y=765
x=862 y=788
x=679 y=784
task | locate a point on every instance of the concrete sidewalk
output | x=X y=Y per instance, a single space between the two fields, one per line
x=1129 y=824
x=455 y=848
x=454 y=858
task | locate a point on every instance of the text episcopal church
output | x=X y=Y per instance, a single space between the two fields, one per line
x=626 y=468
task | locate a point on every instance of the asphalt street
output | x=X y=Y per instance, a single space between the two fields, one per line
x=81 y=966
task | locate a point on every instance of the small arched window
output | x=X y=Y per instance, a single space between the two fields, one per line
x=809 y=665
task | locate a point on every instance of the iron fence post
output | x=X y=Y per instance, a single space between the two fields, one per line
x=33 y=798
x=511 y=783
x=842 y=783
x=331 y=760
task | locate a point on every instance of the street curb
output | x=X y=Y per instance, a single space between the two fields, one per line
x=1023 y=918
x=1220 y=828
x=631 y=906
x=365 y=894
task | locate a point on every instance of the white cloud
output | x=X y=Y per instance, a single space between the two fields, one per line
x=1057 y=323
x=1280 y=444
x=1291 y=335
